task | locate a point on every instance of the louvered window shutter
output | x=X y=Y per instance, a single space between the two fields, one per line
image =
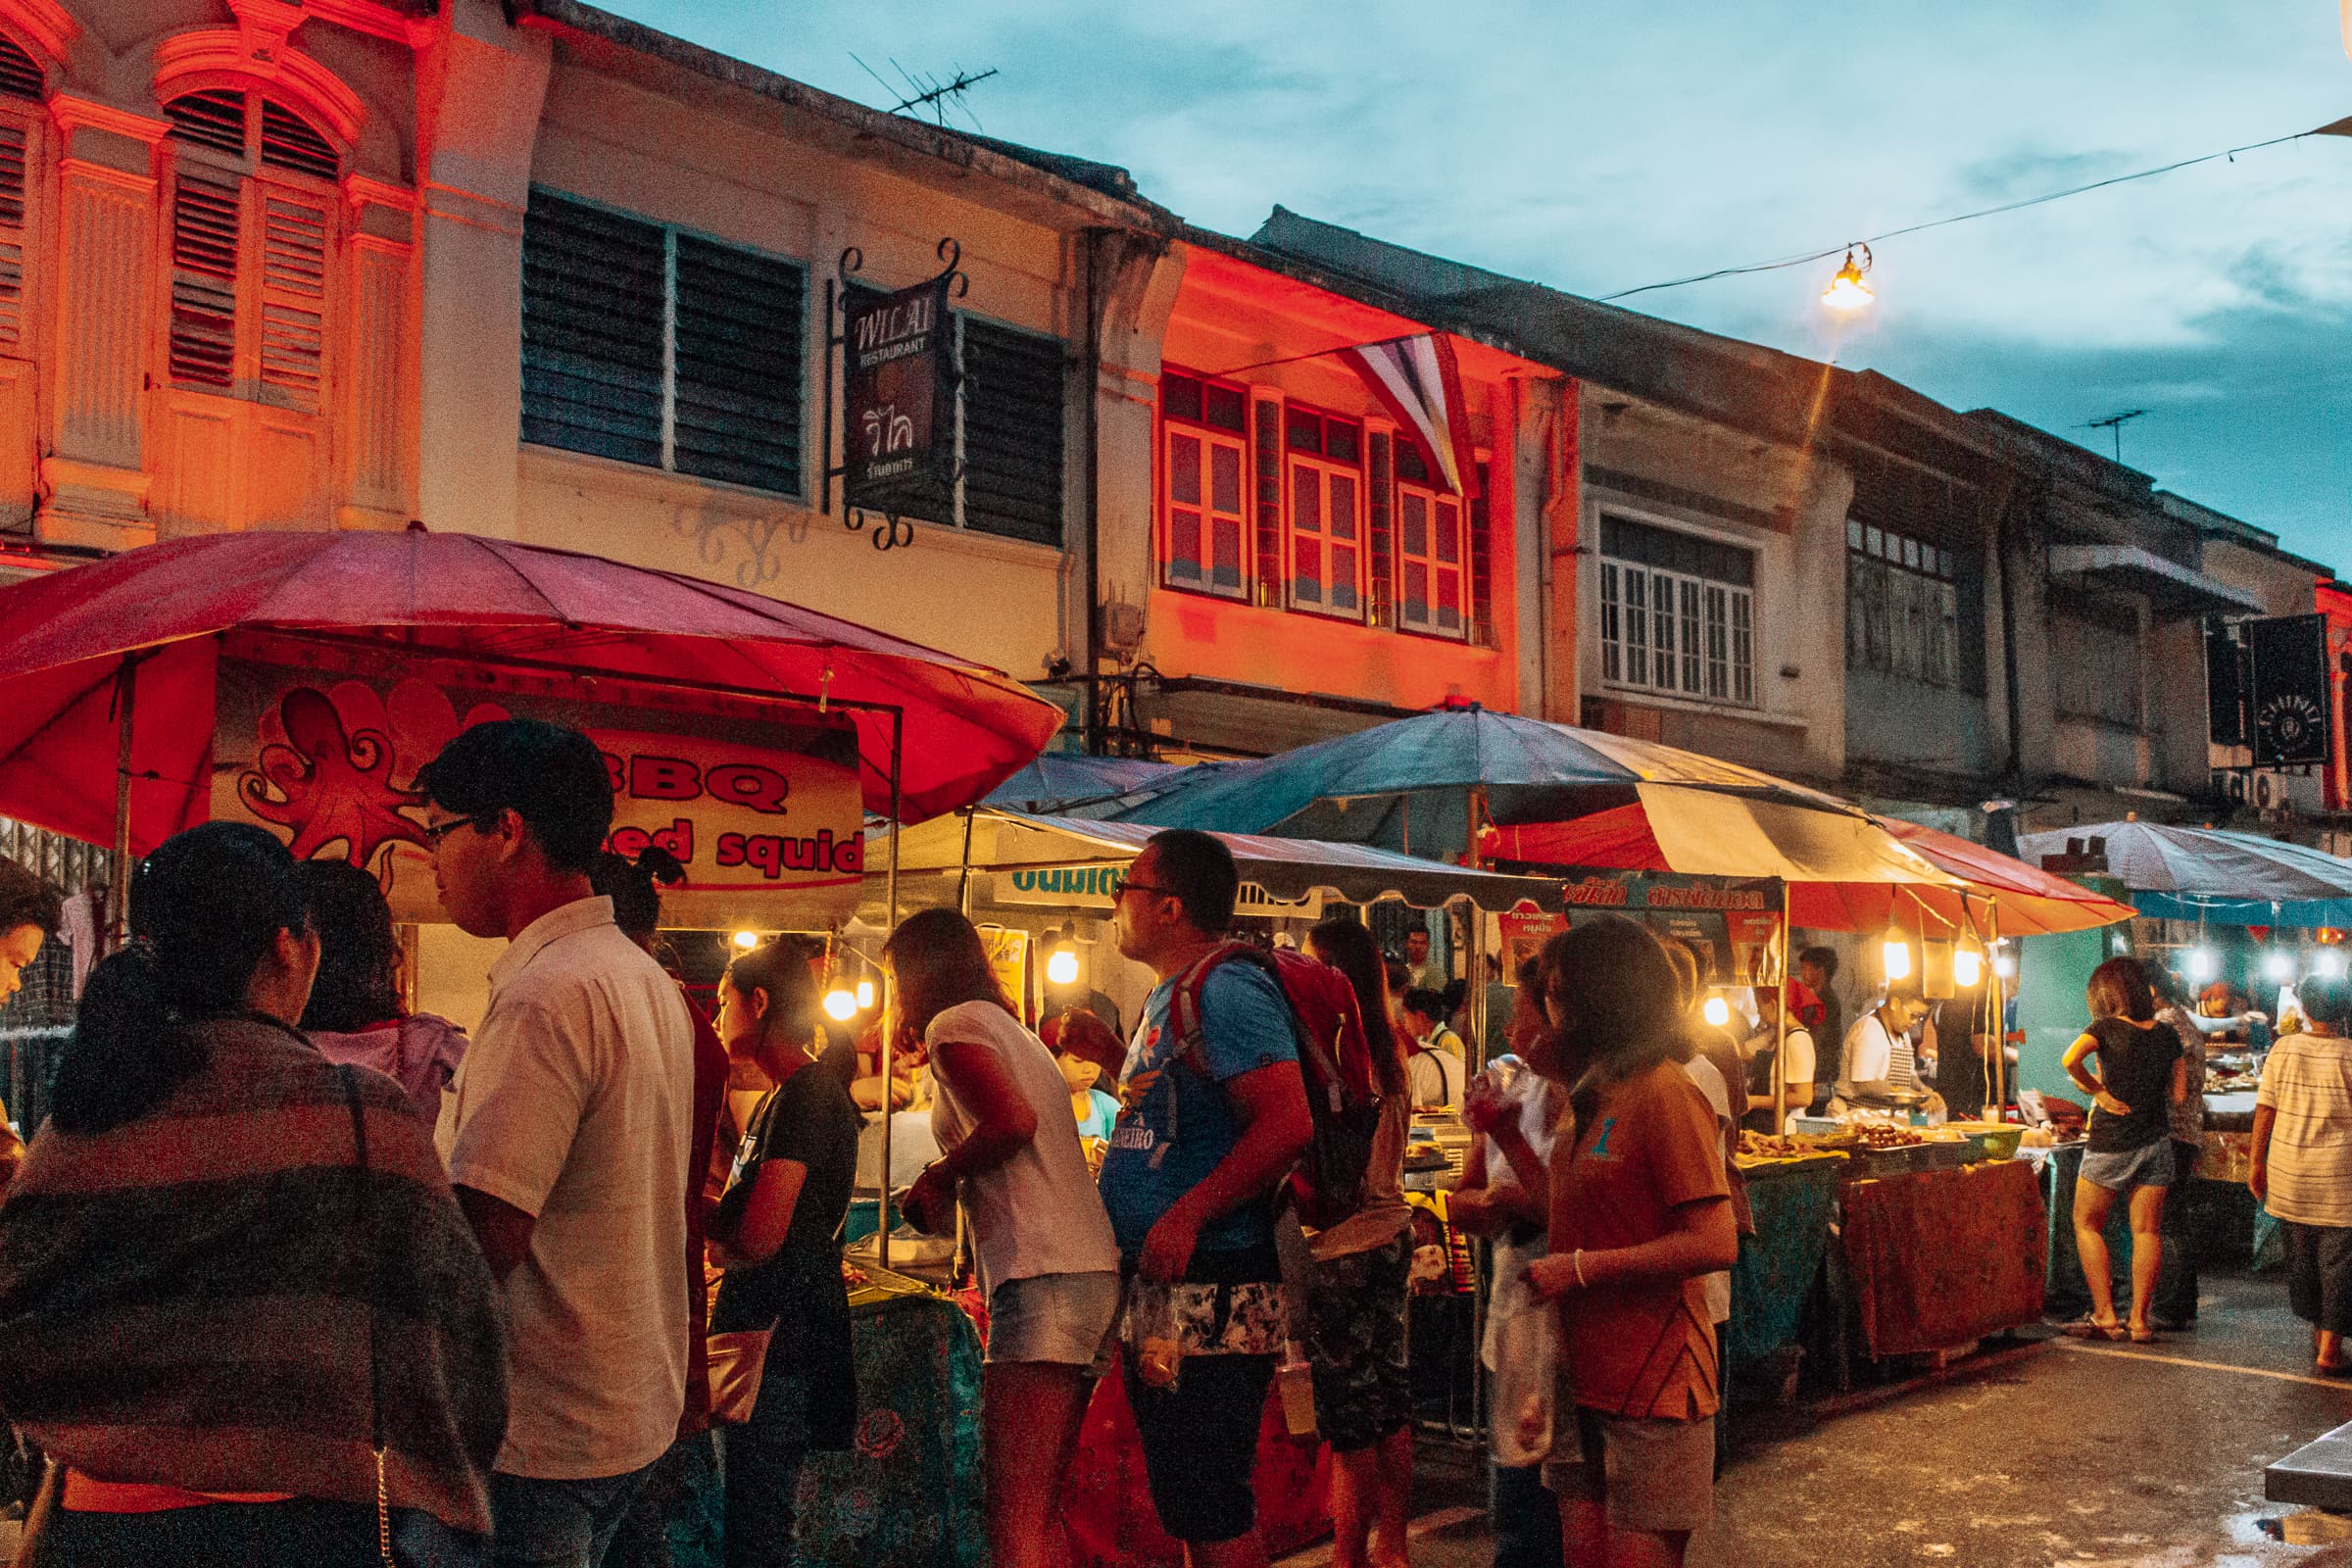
x=738 y=383
x=1266 y=514
x=593 y=330
x=1013 y=426
x=1482 y=566
x=1381 y=490
x=205 y=229
x=294 y=226
x=13 y=159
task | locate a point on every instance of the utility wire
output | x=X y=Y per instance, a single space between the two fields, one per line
x=2338 y=128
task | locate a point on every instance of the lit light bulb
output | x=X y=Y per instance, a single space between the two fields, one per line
x=747 y=940
x=865 y=994
x=2279 y=966
x=2005 y=965
x=1968 y=968
x=2328 y=963
x=1717 y=1011
x=2200 y=963
x=1061 y=968
x=1847 y=291
x=840 y=1006
x=1896 y=956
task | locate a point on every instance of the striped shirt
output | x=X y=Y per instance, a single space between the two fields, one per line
x=2308 y=1081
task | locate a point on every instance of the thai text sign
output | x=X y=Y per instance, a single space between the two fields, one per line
x=899 y=408
x=1096 y=886
x=1735 y=927
x=752 y=811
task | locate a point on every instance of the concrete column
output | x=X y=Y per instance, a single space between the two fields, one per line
x=1139 y=285
x=481 y=88
x=1563 y=504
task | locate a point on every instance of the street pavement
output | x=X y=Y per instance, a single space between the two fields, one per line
x=2057 y=1456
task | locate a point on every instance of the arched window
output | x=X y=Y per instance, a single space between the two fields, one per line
x=253 y=213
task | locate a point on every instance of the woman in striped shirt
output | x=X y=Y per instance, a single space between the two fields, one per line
x=2302 y=1163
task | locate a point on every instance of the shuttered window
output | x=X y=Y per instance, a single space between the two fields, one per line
x=15 y=157
x=658 y=348
x=20 y=76
x=1203 y=425
x=252 y=222
x=1012 y=427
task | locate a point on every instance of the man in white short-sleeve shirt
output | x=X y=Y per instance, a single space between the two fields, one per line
x=566 y=1138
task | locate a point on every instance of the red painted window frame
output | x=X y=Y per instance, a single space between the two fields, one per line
x=1166 y=427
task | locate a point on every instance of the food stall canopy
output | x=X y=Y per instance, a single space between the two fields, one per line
x=1059 y=780
x=1287 y=868
x=1408 y=781
x=577 y=624
x=2196 y=873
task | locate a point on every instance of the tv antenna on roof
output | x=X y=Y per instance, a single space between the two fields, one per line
x=2116 y=422
x=929 y=92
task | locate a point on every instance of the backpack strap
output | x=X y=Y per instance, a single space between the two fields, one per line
x=1185 y=1023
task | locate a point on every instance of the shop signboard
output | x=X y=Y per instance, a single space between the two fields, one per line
x=1008 y=960
x=2288 y=699
x=1095 y=887
x=899 y=394
x=1733 y=926
x=765 y=817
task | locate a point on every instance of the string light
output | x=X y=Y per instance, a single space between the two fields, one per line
x=1847 y=291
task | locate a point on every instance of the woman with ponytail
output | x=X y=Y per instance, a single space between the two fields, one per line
x=218 y=1243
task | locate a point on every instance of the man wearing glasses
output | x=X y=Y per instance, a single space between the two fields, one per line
x=1203 y=1138
x=568 y=1145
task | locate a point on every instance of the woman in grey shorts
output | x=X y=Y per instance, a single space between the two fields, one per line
x=1048 y=1261
x=2141 y=1074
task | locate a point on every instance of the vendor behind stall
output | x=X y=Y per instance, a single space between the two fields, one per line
x=1879 y=1062
x=1777 y=1095
x=1434 y=1063
x=1966 y=1037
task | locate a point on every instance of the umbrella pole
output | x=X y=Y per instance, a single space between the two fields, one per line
x=117 y=898
x=1780 y=1052
x=890 y=1001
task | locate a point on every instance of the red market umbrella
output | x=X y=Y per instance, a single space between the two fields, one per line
x=67 y=643
x=1999 y=891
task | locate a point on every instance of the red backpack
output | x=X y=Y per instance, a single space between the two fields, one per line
x=1334 y=1058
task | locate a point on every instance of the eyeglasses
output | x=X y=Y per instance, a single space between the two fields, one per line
x=1132 y=886
x=436 y=832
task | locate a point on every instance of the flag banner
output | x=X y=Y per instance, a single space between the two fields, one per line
x=1419 y=383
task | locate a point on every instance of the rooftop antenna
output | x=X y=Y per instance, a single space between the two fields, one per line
x=929 y=92
x=2115 y=422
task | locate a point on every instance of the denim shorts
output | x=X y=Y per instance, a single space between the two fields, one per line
x=1058 y=1319
x=2149 y=1165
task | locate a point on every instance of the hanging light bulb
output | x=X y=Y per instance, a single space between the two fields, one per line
x=840 y=1006
x=1968 y=968
x=1061 y=967
x=747 y=940
x=2278 y=965
x=2200 y=963
x=2328 y=963
x=866 y=994
x=2005 y=965
x=1895 y=955
x=1715 y=1011
x=1847 y=291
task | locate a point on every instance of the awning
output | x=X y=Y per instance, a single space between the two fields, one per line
x=2209 y=874
x=1287 y=868
x=2176 y=590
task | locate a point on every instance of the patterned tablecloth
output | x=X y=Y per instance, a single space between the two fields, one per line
x=1795 y=1203
x=1944 y=1258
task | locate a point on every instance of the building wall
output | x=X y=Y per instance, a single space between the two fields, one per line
x=1784 y=506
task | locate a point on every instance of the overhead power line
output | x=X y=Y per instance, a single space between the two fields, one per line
x=2340 y=128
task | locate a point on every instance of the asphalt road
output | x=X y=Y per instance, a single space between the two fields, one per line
x=2105 y=1457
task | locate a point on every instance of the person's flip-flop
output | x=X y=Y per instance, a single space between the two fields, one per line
x=2142 y=1334
x=2090 y=1328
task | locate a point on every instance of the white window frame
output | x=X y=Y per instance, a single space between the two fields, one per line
x=1405 y=490
x=1211 y=437
x=1325 y=471
x=1712 y=638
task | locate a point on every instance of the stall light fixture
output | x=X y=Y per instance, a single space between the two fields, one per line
x=1968 y=968
x=1847 y=291
x=2328 y=963
x=1717 y=1011
x=2005 y=965
x=1895 y=955
x=747 y=940
x=840 y=1005
x=1061 y=968
x=2278 y=965
x=866 y=994
x=2200 y=963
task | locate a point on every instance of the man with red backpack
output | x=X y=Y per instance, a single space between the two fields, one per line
x=1214 y=1120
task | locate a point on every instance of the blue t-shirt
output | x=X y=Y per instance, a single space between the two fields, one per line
x=1172 y=1111
x=1101 y=1116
